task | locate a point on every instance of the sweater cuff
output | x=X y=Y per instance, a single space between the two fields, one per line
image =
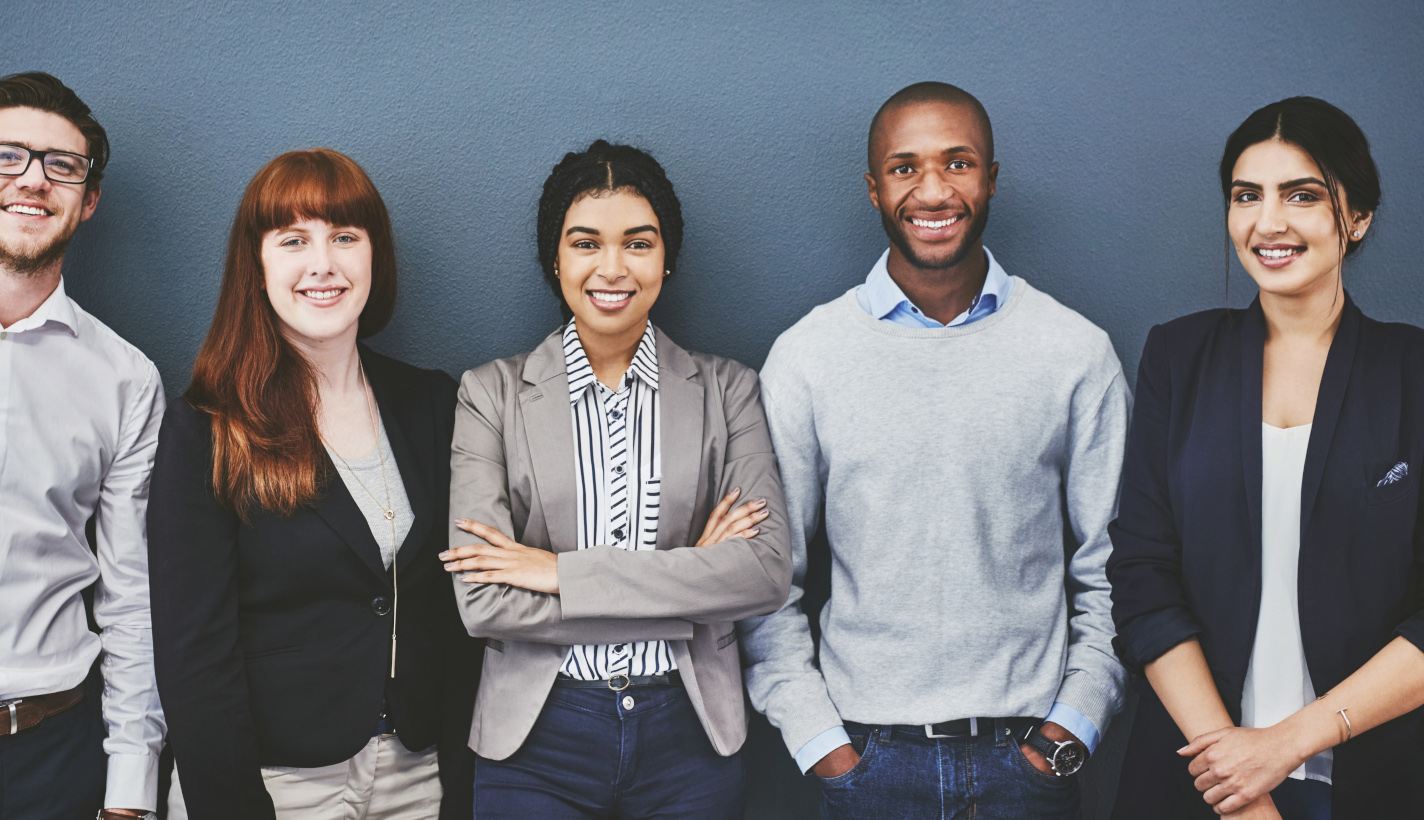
x=820 y=746
x=1148 y=637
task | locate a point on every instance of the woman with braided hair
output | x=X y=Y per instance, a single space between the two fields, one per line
x=598 y=475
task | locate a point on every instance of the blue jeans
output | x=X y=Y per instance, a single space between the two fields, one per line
x=902 y=776
x=591 y=755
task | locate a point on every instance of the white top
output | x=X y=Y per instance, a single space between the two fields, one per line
x=79 y=415
x=368 y=486
x=1277 y=680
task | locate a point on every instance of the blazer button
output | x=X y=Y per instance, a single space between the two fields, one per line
x=381 y=605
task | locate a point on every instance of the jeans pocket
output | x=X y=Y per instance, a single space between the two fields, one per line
x=1016 y=752
x=867 y=745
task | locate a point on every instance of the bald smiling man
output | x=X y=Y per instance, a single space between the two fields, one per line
x=964 y=432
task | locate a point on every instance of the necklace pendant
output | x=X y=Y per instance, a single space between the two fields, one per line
x=390 y=514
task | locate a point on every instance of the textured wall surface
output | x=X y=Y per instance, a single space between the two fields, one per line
x=1109 y=119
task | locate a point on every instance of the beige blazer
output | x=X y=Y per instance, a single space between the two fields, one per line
x=512 y=467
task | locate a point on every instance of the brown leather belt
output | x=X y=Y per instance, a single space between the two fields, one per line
x=19 y=714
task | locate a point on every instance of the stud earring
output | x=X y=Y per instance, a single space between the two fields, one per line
x=667 y=272
x=1357 y=234
x=556 y=273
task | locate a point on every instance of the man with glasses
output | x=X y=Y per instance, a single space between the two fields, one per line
x=79 y=416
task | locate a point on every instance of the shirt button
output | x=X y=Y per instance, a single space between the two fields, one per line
x=616 y=414
x=381 y=605
x=618 y=468
x=618 y=647
x=627 y=701
x=618 y=534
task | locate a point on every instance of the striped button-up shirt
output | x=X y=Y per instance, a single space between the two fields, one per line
x=618 y=460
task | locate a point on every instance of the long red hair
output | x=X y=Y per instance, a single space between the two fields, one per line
x=259 y=390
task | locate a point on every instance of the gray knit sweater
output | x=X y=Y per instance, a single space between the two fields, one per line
x=957 y=466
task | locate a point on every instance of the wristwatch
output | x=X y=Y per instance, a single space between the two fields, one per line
x=1066 y=756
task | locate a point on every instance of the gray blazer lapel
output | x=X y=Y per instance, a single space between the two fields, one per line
x=548 y=430
x=681 y=400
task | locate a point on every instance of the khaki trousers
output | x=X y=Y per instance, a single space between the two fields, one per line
x=383 y=781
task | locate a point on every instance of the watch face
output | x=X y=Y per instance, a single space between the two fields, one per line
x=1069 y=758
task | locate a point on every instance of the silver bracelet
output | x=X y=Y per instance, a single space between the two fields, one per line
x=1349 y=730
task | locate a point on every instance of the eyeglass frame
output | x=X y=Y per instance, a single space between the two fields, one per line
x=33 y=154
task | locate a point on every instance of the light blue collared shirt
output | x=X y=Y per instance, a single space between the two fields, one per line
x=883 y=299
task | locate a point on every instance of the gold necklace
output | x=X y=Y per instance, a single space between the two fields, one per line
x=388 y=509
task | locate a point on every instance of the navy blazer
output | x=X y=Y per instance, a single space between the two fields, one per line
x=272 y=638
x=1186 y=555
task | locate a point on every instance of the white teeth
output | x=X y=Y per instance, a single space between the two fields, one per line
x=937 y=223
x=610 y=296
x=1272 y=253
x=27 y=210
x=322 y=294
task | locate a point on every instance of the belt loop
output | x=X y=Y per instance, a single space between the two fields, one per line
x=974 y=727
x=14 y=715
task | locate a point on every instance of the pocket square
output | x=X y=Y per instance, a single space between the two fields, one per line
x=1395 y=473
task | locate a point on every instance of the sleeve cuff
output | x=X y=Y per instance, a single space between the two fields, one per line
x=1077 y=723
x=820 y=746
x=1146 y=638
x=132 y=782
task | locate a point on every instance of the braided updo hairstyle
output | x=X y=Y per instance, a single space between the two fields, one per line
x=603 y=169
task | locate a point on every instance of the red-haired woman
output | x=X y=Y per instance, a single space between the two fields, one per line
x=309 y=655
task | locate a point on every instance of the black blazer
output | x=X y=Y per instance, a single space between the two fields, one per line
x=272 y=640
x=1187 y=541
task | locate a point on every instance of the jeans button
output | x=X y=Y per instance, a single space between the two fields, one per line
x=381 y=605
x=627 y=701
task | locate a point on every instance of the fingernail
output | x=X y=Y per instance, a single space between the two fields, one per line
x=450 y=565
x=753 y=531
x=462 y=521
x=735 y=491
x=759 y=502
x=1184 y=748
x=445 y=556
x=763 y=514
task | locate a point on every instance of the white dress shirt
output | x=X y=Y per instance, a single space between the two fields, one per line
x=79 y=416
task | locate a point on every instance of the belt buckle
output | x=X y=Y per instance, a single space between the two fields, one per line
x=973 y=730
x=14 y=715
x=627 y=681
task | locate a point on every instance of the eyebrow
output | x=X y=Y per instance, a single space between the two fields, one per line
x=958 y=149
x=30 y=147
x=1294 y=183
x=594 y=231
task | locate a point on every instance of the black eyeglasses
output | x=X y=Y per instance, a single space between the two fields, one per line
x=58 y=166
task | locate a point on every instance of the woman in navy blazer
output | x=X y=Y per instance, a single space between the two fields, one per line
x=1201 y=568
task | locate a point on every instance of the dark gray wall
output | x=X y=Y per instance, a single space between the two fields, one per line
x=1109 y=120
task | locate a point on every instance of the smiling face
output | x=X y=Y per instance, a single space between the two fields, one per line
x=610 y=263
x=318 y=277
x=931 y=178
x=37 y=216
x=1281 y=221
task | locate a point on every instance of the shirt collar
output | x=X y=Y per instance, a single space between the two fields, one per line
x=645 y=361
x=57 y=308
x=883 y=295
